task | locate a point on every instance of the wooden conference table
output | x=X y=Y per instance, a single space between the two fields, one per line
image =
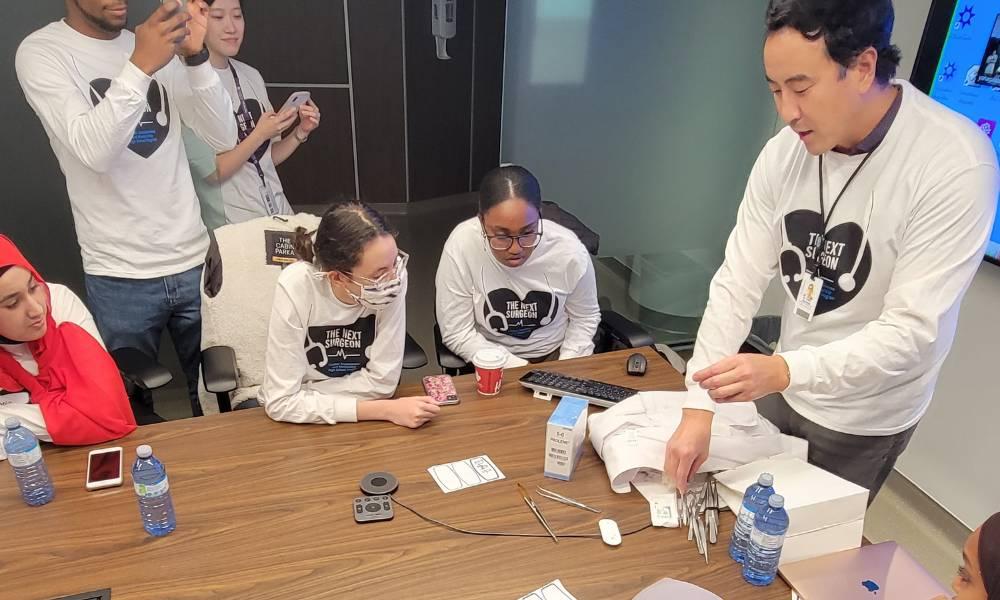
x=264 y=512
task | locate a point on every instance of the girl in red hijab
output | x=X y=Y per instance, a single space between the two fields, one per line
x=55 y=375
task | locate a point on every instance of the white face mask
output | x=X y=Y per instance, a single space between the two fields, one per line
x=377 y=294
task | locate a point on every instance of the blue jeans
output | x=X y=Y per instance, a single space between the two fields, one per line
x=131 y=313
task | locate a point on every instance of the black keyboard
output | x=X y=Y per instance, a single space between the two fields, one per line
x=594 y=392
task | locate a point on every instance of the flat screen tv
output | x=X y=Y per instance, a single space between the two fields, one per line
x=958 y=64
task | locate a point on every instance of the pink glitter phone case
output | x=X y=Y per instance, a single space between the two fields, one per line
x=441 y=388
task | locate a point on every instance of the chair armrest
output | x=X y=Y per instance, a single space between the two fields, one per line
x=414 y=356
x=623 y=331
x=448 y=360
x=218 y=369
x=140 y=369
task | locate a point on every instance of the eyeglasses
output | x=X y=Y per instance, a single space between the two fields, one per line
x=387 y=278
x=525 y=240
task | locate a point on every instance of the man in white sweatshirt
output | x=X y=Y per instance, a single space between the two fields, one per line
x=874 y=207
x=112 y=104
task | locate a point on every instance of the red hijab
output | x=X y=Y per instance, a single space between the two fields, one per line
x=78 y=386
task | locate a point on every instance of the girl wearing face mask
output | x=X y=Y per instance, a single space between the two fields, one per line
x=338 y=326
x=56 y=377
x=247 y=174
x=510 y=280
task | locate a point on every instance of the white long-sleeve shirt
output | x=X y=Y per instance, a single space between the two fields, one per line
x=910 y=230
x=117 y=135
x=241 y=192
x=324 y=356
x=529 y=311
x=66 y=307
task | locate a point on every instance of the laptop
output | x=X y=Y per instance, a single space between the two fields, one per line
x=878 y=572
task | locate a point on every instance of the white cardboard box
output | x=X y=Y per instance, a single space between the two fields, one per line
x=824 y=541
x=825 y=513
x=564 y=437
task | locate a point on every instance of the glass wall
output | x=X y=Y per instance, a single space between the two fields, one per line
x=643 y=118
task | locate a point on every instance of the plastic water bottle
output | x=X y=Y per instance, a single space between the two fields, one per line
x=25 y=456
x=156 y=509
x=754 y=500
x=768 y=535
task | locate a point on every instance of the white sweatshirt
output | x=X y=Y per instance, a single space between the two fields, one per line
x=921 y=209
x=66 y=307
x=241 y=192
x=324 y=356
x=117 y=135
x=547 y=303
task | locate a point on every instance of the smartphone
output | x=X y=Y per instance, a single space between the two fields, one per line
x=104 y=468
x=182 y=3
x=441 y=388
x=295 y=101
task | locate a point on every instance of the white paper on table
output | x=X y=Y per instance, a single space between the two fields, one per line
x=467 y=473
x=662 y=498
x=632 y=436
x=550 y=591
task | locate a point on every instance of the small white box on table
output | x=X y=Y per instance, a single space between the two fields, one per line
x=564 y=437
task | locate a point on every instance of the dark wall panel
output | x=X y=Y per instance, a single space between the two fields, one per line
x=323 y=168
x=377 y=68
x=491 y=16
x=296 y=42
x=439 y=96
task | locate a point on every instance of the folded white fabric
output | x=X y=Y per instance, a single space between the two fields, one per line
x=632 y=436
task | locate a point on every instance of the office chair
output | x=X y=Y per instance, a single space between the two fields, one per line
x=615 y=332
x=236 y=308
x=141 y=375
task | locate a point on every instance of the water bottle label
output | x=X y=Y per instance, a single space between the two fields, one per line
x=745 y=518
x=766 y=540
x=25 y=459
x=154 y=490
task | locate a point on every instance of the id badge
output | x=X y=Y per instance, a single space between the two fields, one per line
x=810 y=291
x=268 y=199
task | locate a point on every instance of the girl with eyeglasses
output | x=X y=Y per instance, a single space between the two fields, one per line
x=338 y=326
x=508 y=279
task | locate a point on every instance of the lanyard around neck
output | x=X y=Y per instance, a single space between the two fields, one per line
x=822 y=207
x=246 y=117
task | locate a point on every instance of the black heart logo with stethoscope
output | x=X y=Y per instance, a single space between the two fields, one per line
x=509 y=314
x=154 y=125
x=845 y=255
x=339 y=350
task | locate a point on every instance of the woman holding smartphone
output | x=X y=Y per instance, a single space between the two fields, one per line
x=338 y=326
x=250 y=184
x=56 y=377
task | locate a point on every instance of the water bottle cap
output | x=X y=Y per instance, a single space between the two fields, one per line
x=776 y=501
x=12 y=423
x=766 y=480
x=144 y=451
